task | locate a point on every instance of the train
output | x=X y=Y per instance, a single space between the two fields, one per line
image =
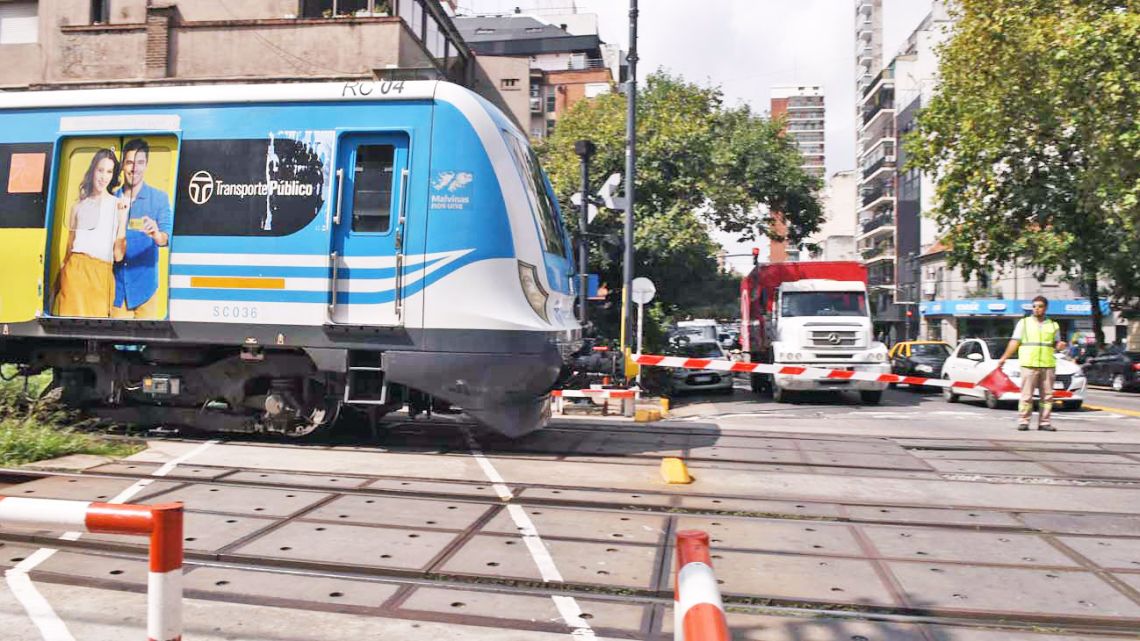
x=261 y=258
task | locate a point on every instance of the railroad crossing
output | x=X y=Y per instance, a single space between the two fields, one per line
x=911 y=520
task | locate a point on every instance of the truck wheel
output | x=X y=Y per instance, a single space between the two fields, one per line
x=871 y=398
x=779 y=394
x=1072 y=405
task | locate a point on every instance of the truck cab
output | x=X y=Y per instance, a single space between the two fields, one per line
x=812 y=315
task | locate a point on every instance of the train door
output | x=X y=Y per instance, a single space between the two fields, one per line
x=108 y=248
x=369 y=230
x=24 y=171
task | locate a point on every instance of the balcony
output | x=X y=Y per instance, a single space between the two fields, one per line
x=880 y=279
x=883 y=145
x=887 y=75
x=870 y=112
x=878 y=251
x=878 y=222
x=877 y=192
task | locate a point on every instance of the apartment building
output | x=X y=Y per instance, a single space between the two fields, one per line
x=836 y=238
x=540 y=65
x=88 y=43
x=804 y=113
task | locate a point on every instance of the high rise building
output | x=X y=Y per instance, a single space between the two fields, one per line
x=802 y=108
x=875 y=151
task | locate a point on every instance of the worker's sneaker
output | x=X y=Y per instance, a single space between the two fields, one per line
x=1023 y=427
x=1046 y=428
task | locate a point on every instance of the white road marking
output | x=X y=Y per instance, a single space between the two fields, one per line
x=567 y=606
x=39 y=610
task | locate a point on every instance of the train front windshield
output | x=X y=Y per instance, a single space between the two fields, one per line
x=823 y=304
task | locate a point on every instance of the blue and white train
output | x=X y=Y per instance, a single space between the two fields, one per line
x=370 y=244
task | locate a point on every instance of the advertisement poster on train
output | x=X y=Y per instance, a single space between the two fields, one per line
x=113 y=222
x=258 y=187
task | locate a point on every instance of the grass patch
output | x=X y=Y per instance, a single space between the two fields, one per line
x=34 y=428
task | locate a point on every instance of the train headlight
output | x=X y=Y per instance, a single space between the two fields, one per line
x=532 y=288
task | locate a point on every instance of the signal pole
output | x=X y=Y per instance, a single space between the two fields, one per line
x=630 y=165
x=584 y=149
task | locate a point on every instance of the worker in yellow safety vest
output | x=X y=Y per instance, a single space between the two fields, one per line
x=1036 y=339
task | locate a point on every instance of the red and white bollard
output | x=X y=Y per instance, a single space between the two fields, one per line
x=162 y=523
x=698 y=613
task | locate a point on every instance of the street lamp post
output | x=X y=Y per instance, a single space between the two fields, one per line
x=585 y=149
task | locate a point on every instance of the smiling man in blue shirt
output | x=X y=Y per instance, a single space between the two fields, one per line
x=148 y=228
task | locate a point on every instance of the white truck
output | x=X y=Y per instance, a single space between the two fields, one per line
x=811 y=315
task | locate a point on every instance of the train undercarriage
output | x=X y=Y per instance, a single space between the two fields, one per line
x=254 y=390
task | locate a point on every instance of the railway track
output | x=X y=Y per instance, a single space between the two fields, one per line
x=575 y=518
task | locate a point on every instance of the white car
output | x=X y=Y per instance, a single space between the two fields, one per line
x=974 y=358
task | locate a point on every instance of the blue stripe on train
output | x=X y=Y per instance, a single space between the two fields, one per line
x=290 y=271
x=281 y=296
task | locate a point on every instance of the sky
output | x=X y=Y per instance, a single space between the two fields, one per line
x=747 y=47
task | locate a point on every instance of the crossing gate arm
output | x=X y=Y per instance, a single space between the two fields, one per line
x=996 y=382
x=698 y=612
x=162 y=524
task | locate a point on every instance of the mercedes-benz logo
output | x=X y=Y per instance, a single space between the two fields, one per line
x=833 y=338
x=200 y=188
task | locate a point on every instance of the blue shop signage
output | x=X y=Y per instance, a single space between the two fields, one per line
x=1006 y=307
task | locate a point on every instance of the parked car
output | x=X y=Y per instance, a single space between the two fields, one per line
x=974 y=358
x=697 y=380
x=1116 y=367
x=919 y=358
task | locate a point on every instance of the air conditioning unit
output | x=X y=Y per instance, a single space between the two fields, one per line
x=536 y=105
x=928 y=289
x=889 y=158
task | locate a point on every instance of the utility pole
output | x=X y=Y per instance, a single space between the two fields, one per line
x=584 y=149
x=630 y=166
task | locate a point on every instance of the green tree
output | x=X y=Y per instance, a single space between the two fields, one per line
x=699 y=165
x=1033 y=140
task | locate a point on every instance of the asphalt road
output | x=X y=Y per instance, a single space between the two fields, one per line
x=1122 y=402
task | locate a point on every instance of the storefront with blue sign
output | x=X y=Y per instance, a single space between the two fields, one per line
x=952 y=320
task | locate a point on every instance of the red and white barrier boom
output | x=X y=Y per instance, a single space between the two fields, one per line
x=996 y=381
x=162 y=523
x=698 y=613
x=627 y=396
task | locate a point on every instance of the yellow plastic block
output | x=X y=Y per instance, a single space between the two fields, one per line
x=664 y=406
x=675 y=472
x=646 y=416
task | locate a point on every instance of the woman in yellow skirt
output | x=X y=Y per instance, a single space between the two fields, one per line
x=96 y=222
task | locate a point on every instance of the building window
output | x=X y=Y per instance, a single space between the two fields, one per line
x=336 y=8
x=100 y=11
x=18 y=23
x=509 y=84
x=550 y=103
x=550 y=127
